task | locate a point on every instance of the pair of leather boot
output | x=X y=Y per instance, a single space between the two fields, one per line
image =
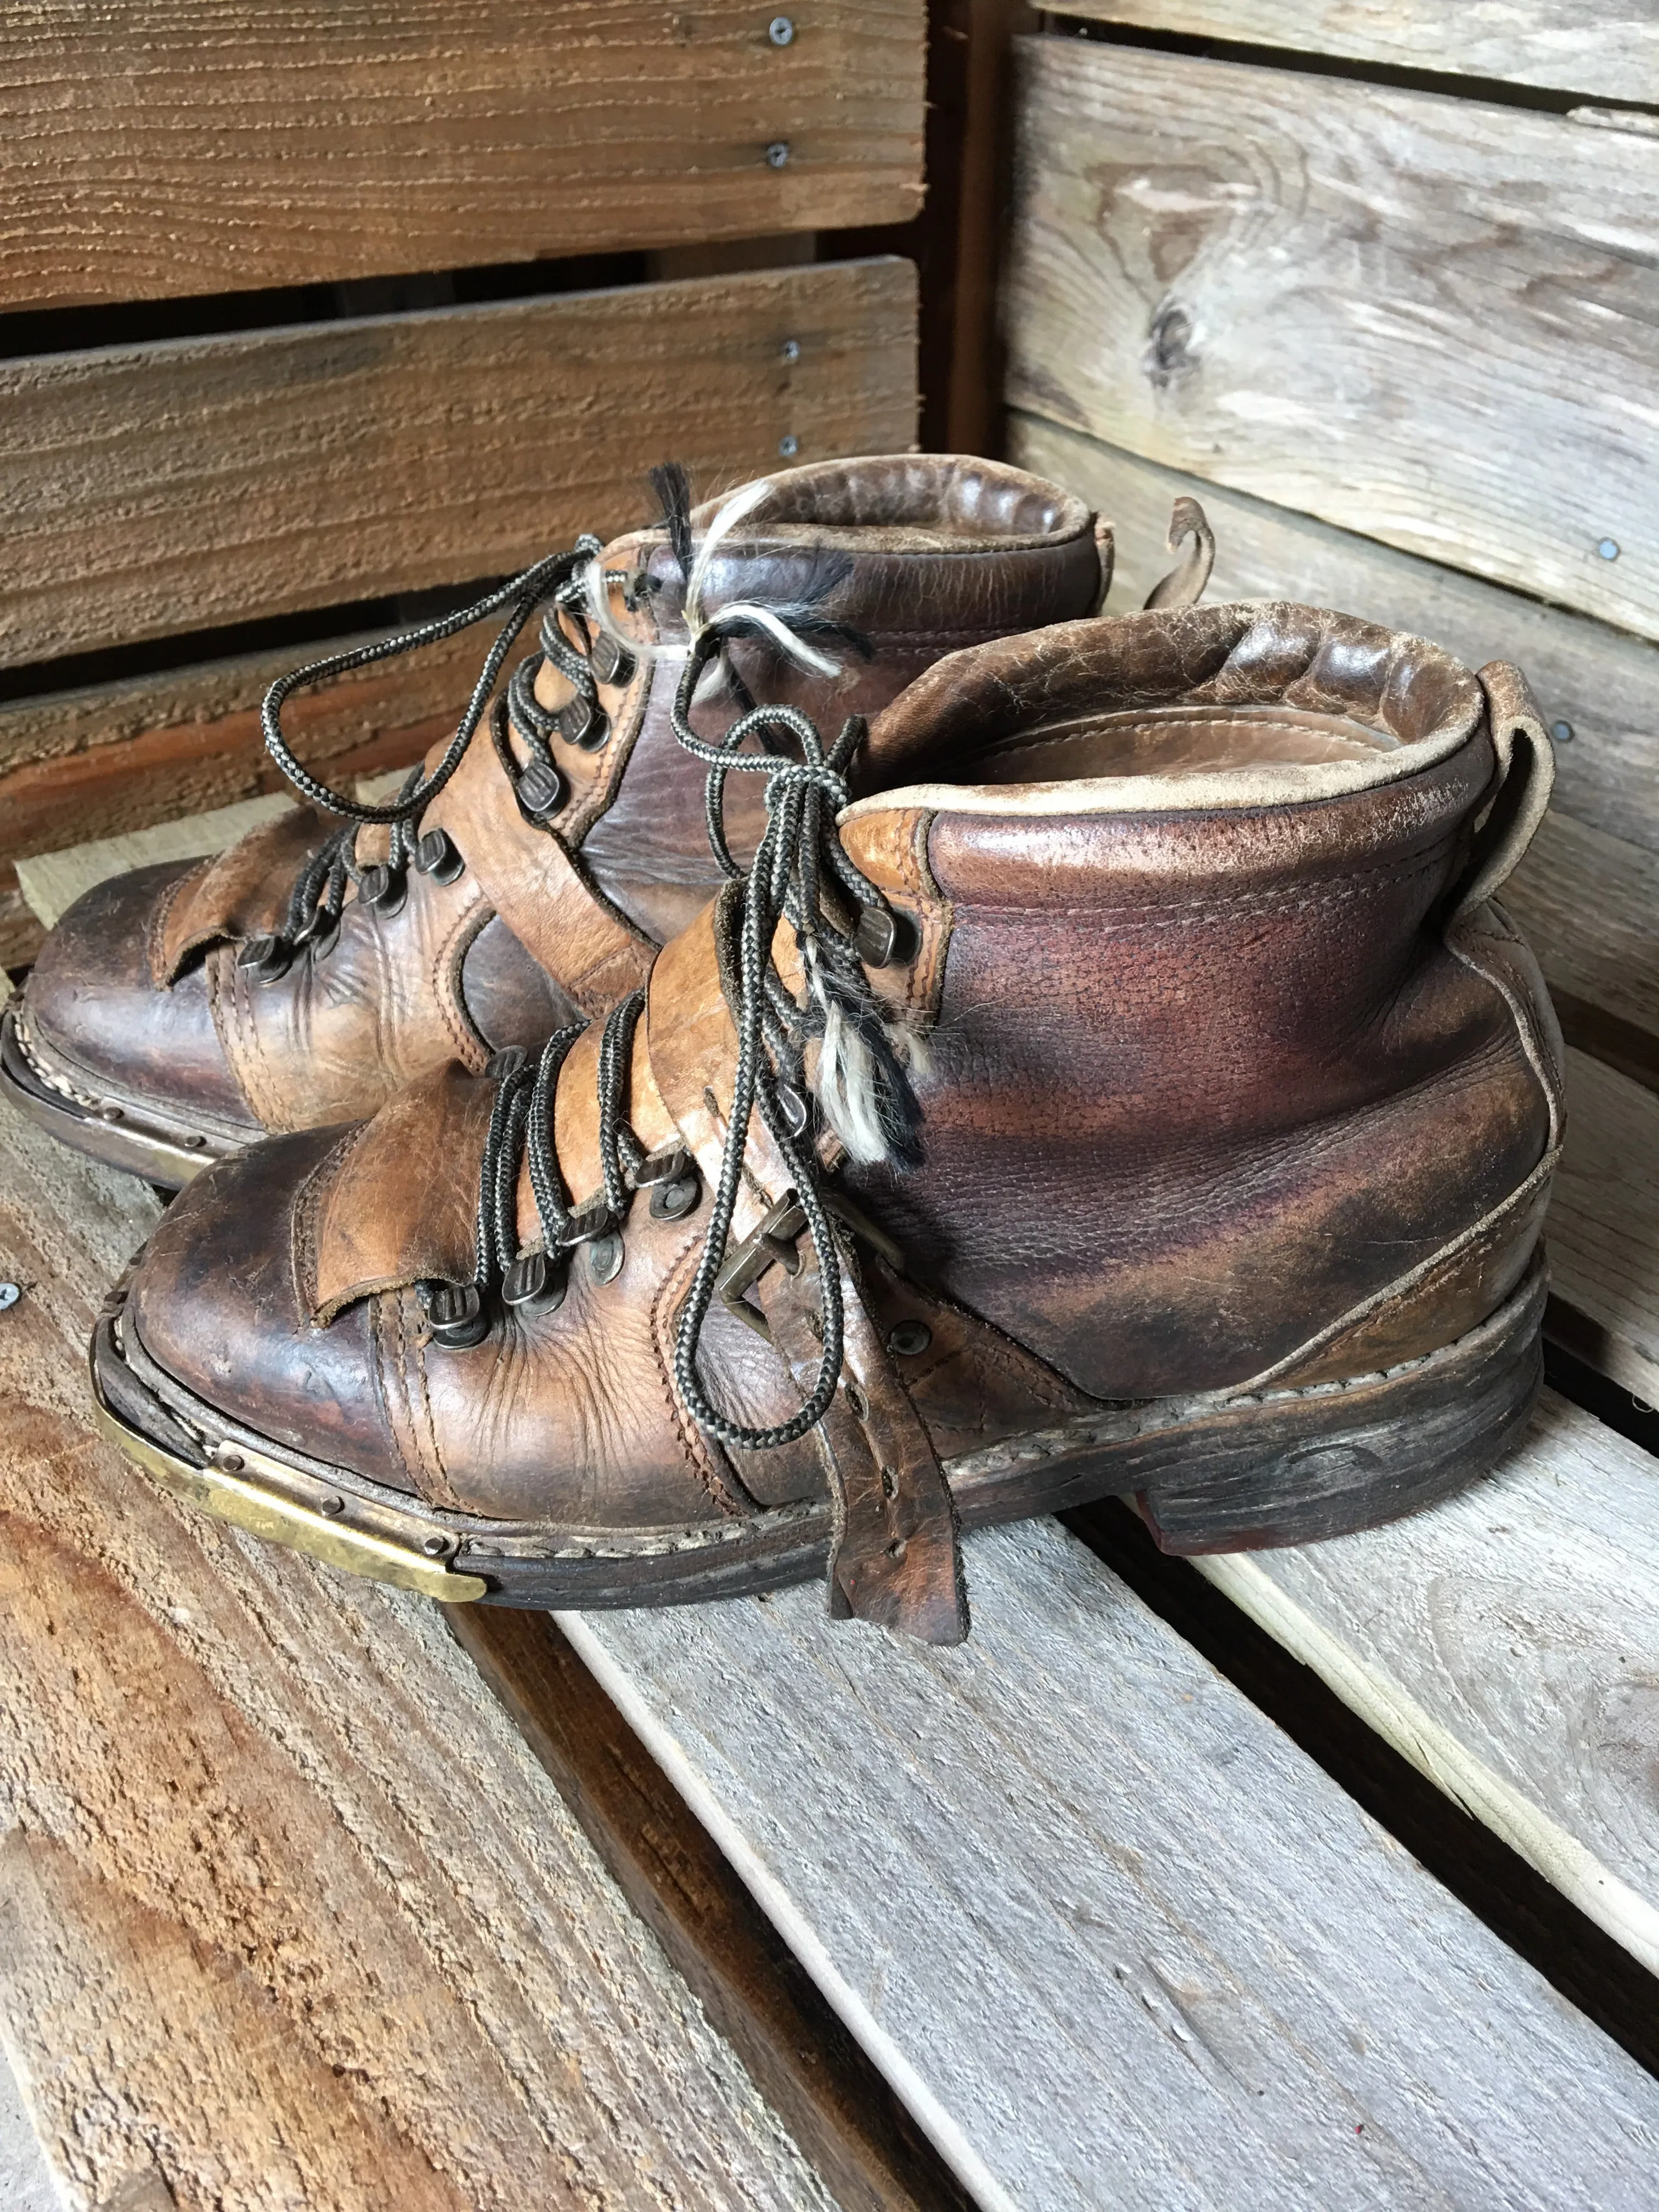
x=1104 y=1069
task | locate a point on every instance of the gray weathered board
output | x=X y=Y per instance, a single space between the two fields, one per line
x=169 y=486
x=291 y=1917
x=1434 y=320
x=1508 y=1644
x=1567 y=43
x=1112 y=1936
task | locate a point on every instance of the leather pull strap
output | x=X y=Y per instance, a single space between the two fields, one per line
x=1189 y=529
x=894 y=1557
x=1526 y=775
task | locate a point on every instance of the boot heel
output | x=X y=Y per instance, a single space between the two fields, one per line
x=1292 y=1467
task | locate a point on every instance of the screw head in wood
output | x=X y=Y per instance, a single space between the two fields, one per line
x=781 y=31
x=790 y=350
x=1562 y=732
x=1608 y=549
x=789 y=445
x=777 y=153
x=9 y=1294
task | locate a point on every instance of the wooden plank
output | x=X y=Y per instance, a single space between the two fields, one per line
x=1116 y=1940
x=52 y=882
x=1429 y=319
x=151 y=489
x=1506 y=1644
x=1587 y=894
x=1560 y=42
x=111 y=759
x=288 y=1911
x=1604 y=1227
x=175 y=146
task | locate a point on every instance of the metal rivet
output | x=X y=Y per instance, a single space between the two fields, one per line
x=909 y=1338
x=195 y=1142
x=789 y=445
x=1562 y=732
x=433 y=1546
x=9 y=1295
x=1608 y=549
x=672 y=1201
x=111 y=1114
x=781 y=31
x=777 y=153
x=790 y=350
x=232 y=1462
x=604 y=1257
x=330 y=1506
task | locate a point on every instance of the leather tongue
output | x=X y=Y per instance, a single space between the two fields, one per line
x=894 y=1557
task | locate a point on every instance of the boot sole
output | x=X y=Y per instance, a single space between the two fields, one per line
x=112 y=1130
x=1210 y=1473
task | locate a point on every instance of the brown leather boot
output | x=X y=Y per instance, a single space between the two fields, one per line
x=1192 y=1141
x=179 y=1013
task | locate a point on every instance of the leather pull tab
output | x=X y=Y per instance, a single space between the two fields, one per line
x=1526 y=776
x=894 y=1556
x=1189 y=526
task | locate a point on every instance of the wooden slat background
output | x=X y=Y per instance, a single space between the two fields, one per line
x=152 y=147
x=170 y=487
x=1565 y=44
x=1435 y=321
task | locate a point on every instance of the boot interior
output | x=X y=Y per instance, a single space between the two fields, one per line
x=915 y=503
x=1175 y=741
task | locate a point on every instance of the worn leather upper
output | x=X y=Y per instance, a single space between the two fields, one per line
x=938 y=552
x=1227 y=1087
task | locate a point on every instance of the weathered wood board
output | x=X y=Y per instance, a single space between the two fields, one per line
x=1117 y=1941
x=52 y=882
x=1602 y=1229
x=163 y=148
x=288 y=1911
x=159 y=488
x=1508 y=1644
x=1560 y=43
x=1588 y=893
x=1429 y=320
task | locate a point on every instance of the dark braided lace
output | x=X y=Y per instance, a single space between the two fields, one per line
x=800 y=859
x=319 y=894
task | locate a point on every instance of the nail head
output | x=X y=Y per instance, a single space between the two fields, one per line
x=1562 y=732
x=781 y=31
x=9 y=1294
x=777 y=153
x=1608 y=549
x=790 y=349
x=789 y=445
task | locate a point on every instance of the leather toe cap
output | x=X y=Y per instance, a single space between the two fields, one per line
x=93 y=998
x=215 y=1303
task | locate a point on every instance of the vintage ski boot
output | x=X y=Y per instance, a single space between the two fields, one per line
x=1136 y=1090
x=177 y=1014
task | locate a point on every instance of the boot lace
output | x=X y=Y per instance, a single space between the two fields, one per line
x=800 y=873
x=569 y=581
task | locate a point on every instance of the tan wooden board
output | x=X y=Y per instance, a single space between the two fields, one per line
x=1117 y=1940
x=1561 y=43
x=149 y=147
x=1432 y=320
x=52 y=882
x=1602 y=1232
x=1507 y=1643
x=1588 y=893
x=289 y=1916
x=169 y=486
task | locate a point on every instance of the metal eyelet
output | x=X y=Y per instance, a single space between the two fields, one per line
x=582 y=723
x=605 y=1256
x=535 y=1285
x=438 y=855
x=672 y=1201
x=907 y=1339
x=610 y=660
x=384 y=888
x=267 y=958
x=455 y=1314
x=886 y=938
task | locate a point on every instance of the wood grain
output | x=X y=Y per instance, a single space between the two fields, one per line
x=174 y=146
x=1560 y=43
x=1116 y=1939
x=1429 y=320
x=1588 y=892
x=169 y=486
x=1508 y=1644
x=290 y=1910
x=1602 y=1232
